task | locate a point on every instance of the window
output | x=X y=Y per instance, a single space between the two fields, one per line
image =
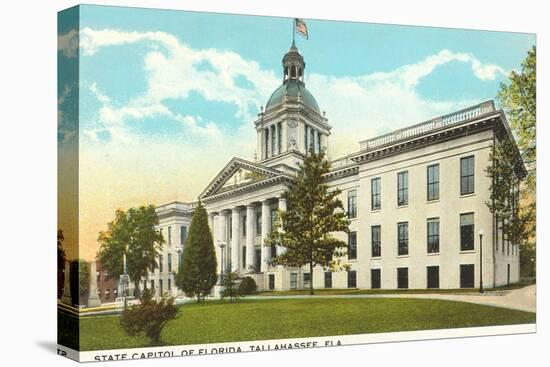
x=169 y=235
x=352 y=204
x=433 y=235
x=161 y=287
x=352 y=245
x=403 y=238
x=432 y=276
x=258 y=223
x=402 y=277
x=183 y=234
x=153 y=285
x=244 y=226
x=307 y=280
x=352 y=279
x=271 y=281
x=169 y=284
x=273 y=140
x=466 y=232
x=375 y=279
x=312 y=138
x=243 y=257
x=466 y=175
x=402 y=188
x=293 y=280
x=279 y=137
x=466 y=275
x=375 y=191
x=318 y=147
x=107 y=293
x=160 y=264
x=169 y=263
x=433 y=182
x=376 y=248
x=328 y=279
x=266 y=130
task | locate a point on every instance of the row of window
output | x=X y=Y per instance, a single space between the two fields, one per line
x=183 y=234
x=467 y=179
x=467 y=277
x=467 y=237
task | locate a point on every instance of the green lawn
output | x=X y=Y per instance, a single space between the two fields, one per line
x=288 y=318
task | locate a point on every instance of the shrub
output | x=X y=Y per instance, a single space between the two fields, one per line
x=149 y=316
x=247 y=286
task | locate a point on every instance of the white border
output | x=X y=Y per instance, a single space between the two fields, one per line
x=302 y=343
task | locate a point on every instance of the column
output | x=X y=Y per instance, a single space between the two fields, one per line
x=250 y=214
x=282 y=207
x=211 y=223
x=265 y=230
x=93 y=299
x=222 y=225
x=235 y=236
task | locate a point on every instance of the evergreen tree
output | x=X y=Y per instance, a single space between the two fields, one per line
x=197 y=273
x=133 y=234
x=313 y=214
x=229 y=284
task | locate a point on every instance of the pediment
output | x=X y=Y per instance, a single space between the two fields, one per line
x=238 y=173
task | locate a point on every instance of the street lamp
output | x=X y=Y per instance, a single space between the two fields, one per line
x=481 y=261
x=222 y=244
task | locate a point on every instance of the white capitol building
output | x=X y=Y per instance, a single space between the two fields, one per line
x=416 y=199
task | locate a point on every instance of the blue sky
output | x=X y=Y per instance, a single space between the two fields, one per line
x=167 y=98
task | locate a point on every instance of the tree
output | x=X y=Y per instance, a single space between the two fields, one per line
x=197 y=273
x=518 y=99
x=61 y=258
x=229 y=284
x=149 y=316
x=313 y=214
x=505 y=189
x=133 y=234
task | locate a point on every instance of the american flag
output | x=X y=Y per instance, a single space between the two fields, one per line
x=301 y=27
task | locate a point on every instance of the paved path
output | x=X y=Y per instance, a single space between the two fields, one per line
x=523 y=299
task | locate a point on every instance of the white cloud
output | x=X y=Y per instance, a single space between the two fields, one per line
x=68 y=43
x=368 y=105
x=358 y=106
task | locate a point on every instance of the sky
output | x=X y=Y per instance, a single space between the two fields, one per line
x=156 y=101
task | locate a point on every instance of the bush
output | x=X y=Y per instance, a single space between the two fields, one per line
x=149 y=316
x=247 y=286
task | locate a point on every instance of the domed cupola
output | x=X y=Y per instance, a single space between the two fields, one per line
x=291 y=123
x=293 y=87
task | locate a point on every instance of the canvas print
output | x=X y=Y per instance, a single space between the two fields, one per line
x=232 y=183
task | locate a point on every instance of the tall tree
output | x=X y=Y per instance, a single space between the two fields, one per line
x=505 y=187
x=518 y=99
x=61 y=258
x=197 y=273
x=131 y=233
x=313 y=214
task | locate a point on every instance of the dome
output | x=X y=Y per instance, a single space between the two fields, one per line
x=291 y=88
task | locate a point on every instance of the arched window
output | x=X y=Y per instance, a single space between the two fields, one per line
x=293 y=71
x=286 y=72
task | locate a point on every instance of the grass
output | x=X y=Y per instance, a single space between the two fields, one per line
x=219 y=321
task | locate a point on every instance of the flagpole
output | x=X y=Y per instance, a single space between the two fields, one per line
x=293 y=29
